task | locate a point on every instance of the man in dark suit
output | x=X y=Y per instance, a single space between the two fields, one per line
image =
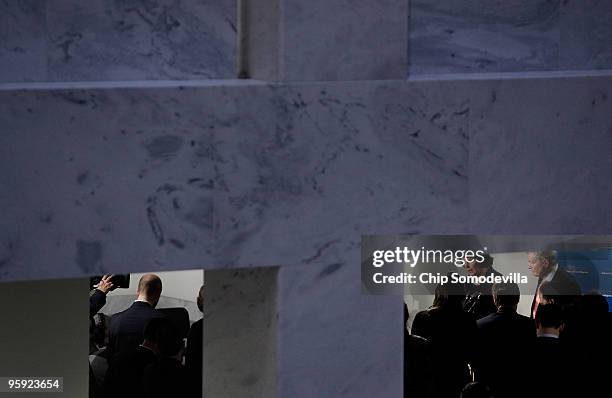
x=557 y=376
x=167 y=377
x=505 y=338
x=418 y=369
x=127 y=327
x=451 y=333
x=193 y=353
x=543 y=265
x=125 y=375
x=97 y=300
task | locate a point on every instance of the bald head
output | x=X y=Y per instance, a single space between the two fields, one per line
x=150 y=288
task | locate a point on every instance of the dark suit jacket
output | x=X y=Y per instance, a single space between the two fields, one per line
x=127 y=327
x=418 y=369
x=505 y=340
x=193 y=358
x=451 y=333
x=97 y=299
x=124 y=377
x=565 y=285
x=166 y=378
x=555 y=369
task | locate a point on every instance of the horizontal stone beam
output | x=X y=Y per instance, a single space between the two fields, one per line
x=138 y=179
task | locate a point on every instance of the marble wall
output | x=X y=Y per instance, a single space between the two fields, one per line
x=44 y=332
x=206 y=177
x=179 y=178
x=334 y=340
x=326 y=40
x=509 y=36
x=240 y=333
x=68 y=40
x=116 y=180
x=586 y=34
x=344 y=39
x=126 y=177
x=540 y=156
x=71 y=40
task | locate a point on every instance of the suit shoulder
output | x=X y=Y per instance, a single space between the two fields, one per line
x=487 y=320
x=118 y=314
x=421 y=315
x=417 y=342
x=566 y=282
x=525 y=320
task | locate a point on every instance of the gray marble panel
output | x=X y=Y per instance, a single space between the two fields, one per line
x=106 y=180
x=586 y=34
x=23 y=41
x=540 y=156
x=307 y=169
x=99 y=180
x=343 y=39
x=240 y=333
x=483 y=36
x=140 y=40
x=335 y=341
x=56 y=309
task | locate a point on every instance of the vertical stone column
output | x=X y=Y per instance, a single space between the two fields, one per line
x=240 y=333
x=332 y=339
x=45 y=332
x=323 y=40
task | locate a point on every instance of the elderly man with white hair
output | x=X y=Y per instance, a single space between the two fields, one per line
x=544 y=266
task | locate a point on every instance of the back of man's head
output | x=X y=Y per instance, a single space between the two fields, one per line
x=548 y=316
x=506 y=295
x=200 y=299
x=449 y=295
x=475 y=390
x=150 y=288
x=487 y=261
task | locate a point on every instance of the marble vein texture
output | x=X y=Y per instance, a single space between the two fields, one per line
x=333 y=340
x=509 y=35
x=539 y=158
x=586 y=34
x=483 y=36
x=323 y=164
x=343 y=39
x=133 y=179
x=98 y=40
x=23 y=44
x=100 y=180
x=241 y=333
x=143 y=179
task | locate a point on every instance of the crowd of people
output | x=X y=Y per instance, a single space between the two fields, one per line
x=141 y=352
x=472 y=343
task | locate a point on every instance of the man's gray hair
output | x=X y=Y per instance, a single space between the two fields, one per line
x=548 y=255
